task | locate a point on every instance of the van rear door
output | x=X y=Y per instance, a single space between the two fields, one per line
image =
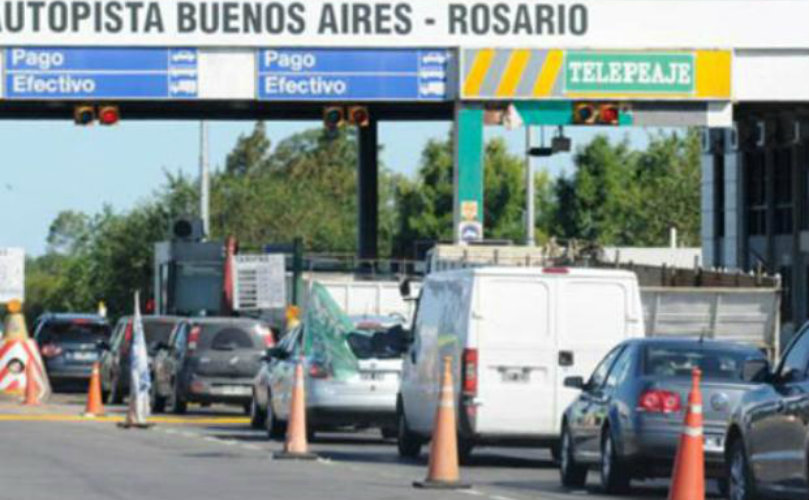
x=593 y=318
x=516 y=356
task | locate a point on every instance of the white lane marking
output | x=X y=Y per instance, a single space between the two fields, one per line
x=473 y=492
x=500 y=497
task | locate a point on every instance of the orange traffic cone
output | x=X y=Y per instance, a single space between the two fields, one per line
x=688 y=478
x=296 y=446
x=31 y=387
x=442 y=472
x=94 y=407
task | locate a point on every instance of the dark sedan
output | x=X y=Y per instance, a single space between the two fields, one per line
x=629 y=416
x=115 y=359
x=70 y=344
x=768 y=435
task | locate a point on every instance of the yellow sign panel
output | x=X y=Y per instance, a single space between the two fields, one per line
x=542 y=74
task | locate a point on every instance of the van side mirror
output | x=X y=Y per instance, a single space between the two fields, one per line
x=575 y=382
x=755 y=370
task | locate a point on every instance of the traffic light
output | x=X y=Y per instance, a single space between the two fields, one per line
x=84 y=114
x=359 y=116
x=333 y=117
x=108 y=115
x=587 y=113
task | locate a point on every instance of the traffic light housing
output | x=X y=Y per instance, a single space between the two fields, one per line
x=359 y=116
x=108 y=115
x=588 y=113
x=84 y=114
x=333 y=117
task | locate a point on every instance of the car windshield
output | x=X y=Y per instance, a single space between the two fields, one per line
x=229 y=337
x=679 y=361
x=73 y=331
x=380 y=344
x=158 y=331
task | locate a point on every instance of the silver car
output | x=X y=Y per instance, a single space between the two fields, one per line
x=629 y=416
x=359 y=393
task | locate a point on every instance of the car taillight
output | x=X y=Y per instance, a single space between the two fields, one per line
x=269 y=340
x=316 y=370
x=469 y=372
x=51 y=350
x=193 y=338
x=555 y=270
x=659 y=401
x=127 y=337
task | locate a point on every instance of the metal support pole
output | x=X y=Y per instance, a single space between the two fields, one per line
x=204 y=179
x=368 y=192
x=297 y=270
x=530 y=216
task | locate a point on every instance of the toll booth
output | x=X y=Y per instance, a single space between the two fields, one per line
x=189 y=277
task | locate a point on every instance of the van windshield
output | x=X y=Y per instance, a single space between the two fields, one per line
x=679 y=361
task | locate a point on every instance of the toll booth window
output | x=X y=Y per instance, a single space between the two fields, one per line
x=755 y=192
x=782 y=180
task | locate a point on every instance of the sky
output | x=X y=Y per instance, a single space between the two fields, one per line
x=50 y=166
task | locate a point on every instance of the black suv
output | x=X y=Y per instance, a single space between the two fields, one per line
x=210 y=360
x=70 y=344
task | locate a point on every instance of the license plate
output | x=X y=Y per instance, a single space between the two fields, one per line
x=515 y=375
x=234 y=390
x=84 y=356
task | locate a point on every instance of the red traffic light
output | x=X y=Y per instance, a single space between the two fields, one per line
x=359 y=116
x=84 y=115
x=608 y=114
x=109 y=115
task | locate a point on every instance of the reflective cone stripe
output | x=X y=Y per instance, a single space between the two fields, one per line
x=688 y=477
x=94 y=406
x=296 y=431
x=23 y=352
x=442 y=470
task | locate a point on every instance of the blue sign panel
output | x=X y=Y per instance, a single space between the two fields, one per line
x=352 y=74
x=100 y=73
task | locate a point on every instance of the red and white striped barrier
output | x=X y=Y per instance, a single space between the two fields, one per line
x=14 y=355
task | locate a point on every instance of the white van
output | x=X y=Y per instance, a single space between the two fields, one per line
x=514 y=334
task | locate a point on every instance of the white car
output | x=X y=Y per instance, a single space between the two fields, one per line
x=360 y=393
x=513 y=335
x=183 y=56
x=184 y=86
x=432 y=73
x=434 y=58
x=435 y=88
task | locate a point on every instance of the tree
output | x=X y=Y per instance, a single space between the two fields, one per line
x=250 y=153
x=68 y=232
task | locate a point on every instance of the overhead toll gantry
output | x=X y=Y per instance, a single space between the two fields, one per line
x=358 y=63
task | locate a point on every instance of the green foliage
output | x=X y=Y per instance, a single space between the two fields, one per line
x=307 y=187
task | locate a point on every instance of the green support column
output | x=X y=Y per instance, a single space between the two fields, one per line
x=468 y=174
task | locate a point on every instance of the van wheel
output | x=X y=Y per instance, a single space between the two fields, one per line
x=614 y=477
x=572 y=474
x=408 y=443
x=177 y=405
x=741 y=485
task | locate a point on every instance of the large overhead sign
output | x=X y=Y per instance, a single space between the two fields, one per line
x=541 y=74
x=352 y=74
x=12 y=274
x=625 y=24
x=100 y=73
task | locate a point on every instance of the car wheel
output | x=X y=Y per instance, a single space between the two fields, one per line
x=741 y=485
x=408 y=443
x=614 y=478
x=572 y=474
x=465 y=447
x=158 y=402
x=275 y=429
x=176 y=403
x=115 y=397
x=257 y=415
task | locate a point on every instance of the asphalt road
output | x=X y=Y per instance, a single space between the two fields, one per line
x=50 y=452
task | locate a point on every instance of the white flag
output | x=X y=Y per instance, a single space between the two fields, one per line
x=139 y=365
